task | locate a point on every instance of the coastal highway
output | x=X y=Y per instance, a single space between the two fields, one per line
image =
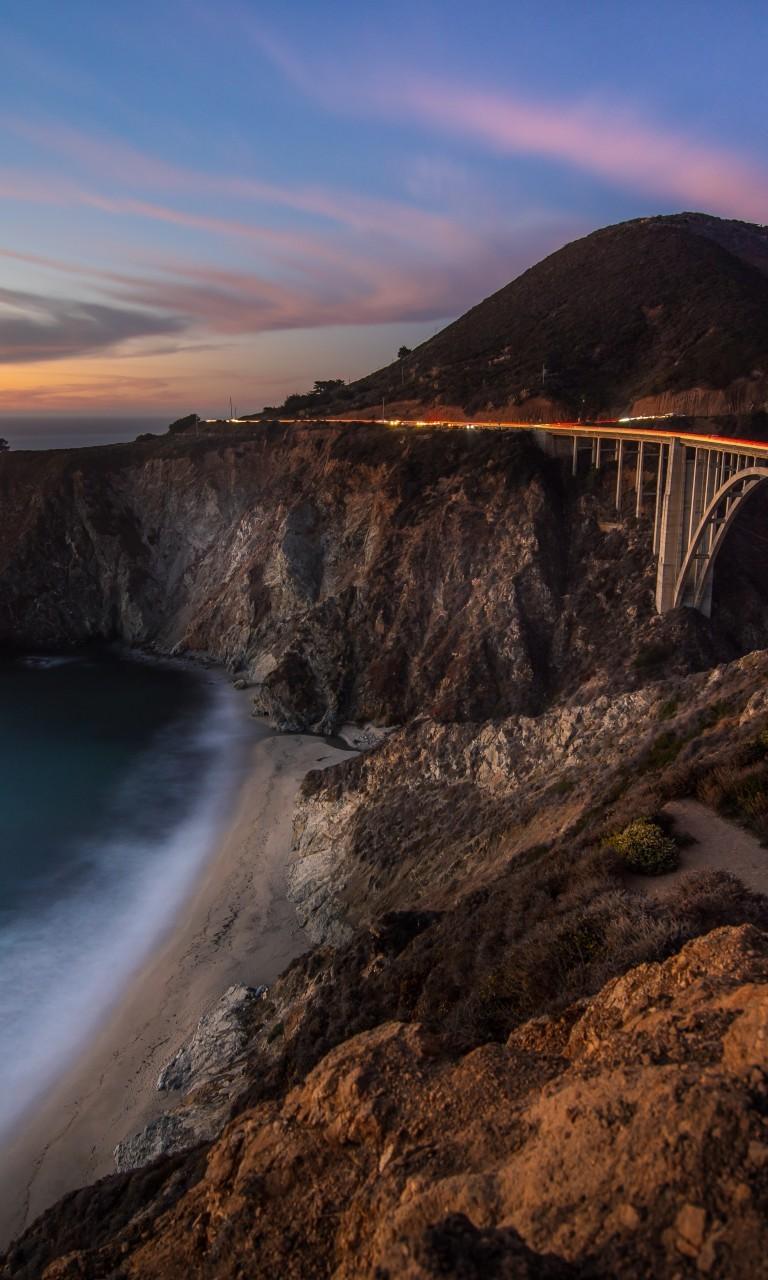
x=629 y=428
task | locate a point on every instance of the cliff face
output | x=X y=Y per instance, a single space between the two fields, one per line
x=348 y=573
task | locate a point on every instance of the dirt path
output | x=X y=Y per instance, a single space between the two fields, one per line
x=720 y=846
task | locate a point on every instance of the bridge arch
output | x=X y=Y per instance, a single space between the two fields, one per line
x=694 y=581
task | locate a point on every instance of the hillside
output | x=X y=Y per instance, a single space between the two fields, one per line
x=651 y=316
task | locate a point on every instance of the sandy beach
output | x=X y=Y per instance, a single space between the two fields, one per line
x=236 y=927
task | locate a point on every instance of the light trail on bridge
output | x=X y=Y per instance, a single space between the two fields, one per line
x=608 y=428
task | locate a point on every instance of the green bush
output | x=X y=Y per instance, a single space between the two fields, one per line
x=645 y=848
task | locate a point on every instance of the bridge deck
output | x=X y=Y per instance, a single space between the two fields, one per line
x=609 y=429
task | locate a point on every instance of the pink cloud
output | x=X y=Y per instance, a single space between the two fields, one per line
x=125 y=165
x=242 y=302
x=61 y=192
x=600 y=140
x=435 y=269
x=360 y=291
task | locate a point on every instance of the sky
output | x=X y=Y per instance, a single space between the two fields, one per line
x=201 y=201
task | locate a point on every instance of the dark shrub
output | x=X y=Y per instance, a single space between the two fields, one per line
x=652 y=655
x=184 y=424
x=645 y=848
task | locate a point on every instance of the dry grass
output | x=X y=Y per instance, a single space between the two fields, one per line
x=533 y=942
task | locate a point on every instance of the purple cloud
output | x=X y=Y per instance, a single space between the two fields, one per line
x=34 y=328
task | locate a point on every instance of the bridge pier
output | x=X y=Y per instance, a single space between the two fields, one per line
x=619 y=465
x=672 y=526
x=639 y=479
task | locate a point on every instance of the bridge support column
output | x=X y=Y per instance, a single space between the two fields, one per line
x=659 y=502
x=672 y=525
x=698 y=494
x=639 y=479
x=619 y=464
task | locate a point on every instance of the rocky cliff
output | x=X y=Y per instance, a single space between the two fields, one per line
x=503 y=1055
x=349 y=573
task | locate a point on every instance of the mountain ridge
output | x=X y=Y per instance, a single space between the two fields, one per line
x=654 y=315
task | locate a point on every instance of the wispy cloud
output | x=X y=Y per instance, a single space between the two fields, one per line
x=607 y=141
x=110 y=159
x=402 y=264
x=606 y=138
x=35 y=328
x=354 y=291
x=345 y=258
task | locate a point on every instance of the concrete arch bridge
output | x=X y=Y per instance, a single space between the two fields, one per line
x=691 y=487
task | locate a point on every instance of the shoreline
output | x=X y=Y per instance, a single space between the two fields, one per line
x=236 y=926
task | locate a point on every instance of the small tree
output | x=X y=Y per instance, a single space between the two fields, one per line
x=184 y=424
x=403 y=352
x=4 y=445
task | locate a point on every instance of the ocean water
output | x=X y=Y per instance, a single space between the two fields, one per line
x=115 y=777
x=64 y=431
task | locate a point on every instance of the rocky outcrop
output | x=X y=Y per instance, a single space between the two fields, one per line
x=219 y=1038
x=205 y=1074
x=435 y=1088
x=437 y=806
x=626 y=1137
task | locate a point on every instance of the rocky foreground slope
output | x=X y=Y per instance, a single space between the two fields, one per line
x=624 y=1137
x=502 y=1055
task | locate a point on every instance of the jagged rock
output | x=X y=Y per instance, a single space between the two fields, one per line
x=639 y=1152
x=434 y=803
x=168 y=1134
x=218 y=1039
x=206 y=1071
x=456 y=585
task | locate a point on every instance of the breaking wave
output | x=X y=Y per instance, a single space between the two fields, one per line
x=68 y=953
